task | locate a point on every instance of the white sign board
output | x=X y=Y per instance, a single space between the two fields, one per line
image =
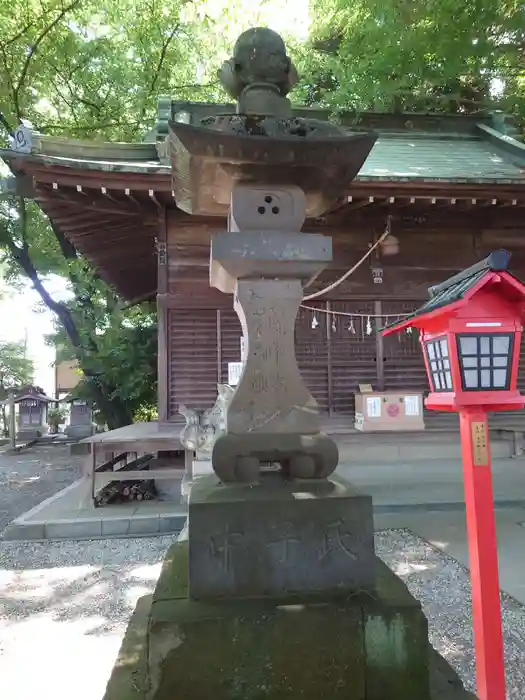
x=373 y=406
x=234 y=372
x=242 y=349
x=412 y=406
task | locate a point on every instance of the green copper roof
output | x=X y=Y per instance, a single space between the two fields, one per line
x=451 y=159
x=410 y=148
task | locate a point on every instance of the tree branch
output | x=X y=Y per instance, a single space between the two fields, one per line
x=68 y=249
x=158 y=69
x=34 y=48
x=18 y=36
x=162 y=58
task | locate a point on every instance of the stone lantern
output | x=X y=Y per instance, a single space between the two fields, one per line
x=267 y=171
x=277 y=592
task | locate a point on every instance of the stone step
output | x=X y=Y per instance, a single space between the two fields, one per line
x=393 y=448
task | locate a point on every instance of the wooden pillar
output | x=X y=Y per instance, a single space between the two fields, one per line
x=219 y=348
x=163 y=389
x=380 y=347
x=329 y=354
x=163 y=379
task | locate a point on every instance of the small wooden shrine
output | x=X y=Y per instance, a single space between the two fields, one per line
x=33 y=405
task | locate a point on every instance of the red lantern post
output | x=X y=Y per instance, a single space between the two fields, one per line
x=470 y=333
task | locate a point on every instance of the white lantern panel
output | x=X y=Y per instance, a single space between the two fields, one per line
x=469 y=346
x=500 y=378
x=501 y=344
x=439 y=364
x=471 y=378
x=485 y=361
x=484 y=343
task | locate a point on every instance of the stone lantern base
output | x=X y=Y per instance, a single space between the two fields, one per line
x=366 y=647
x=277 y=595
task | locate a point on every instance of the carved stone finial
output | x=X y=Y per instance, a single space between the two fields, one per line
x=260 y=74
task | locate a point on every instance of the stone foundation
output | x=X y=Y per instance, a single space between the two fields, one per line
x=78 y=432
x=363 y=647
x=28 y=434
x=279 y=537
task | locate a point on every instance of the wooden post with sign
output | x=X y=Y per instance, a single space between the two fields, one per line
x=483 y=554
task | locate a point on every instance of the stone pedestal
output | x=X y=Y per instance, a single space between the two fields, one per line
x=360 y=647
x=28 y=434
x=79 y=432
x=279 y=538
x=272 y=416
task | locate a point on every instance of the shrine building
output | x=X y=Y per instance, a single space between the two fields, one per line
x=449 y=189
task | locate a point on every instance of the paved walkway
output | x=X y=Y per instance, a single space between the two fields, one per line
x=447 y=532
x=428 y=499
x=414 y=485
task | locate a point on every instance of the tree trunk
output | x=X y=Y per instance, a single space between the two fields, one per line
x=114 y=410
x=5 y=428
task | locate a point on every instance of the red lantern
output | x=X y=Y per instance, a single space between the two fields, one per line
x=470 y=333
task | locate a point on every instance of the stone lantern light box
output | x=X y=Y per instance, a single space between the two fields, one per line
x=470 y=333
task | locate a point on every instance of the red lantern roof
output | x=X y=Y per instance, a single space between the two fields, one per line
x=454 y=293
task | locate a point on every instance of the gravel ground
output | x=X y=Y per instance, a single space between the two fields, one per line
x=443 y=587
x=64 y=607
x=31 y=476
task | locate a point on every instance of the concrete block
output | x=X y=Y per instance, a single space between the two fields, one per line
x=115 y=526
x=257 y=254
x=28 y=434
x=143 y=525
x=251 y=649
x=24 y=531
x=279 y=537
x=171 y=523
x=396 y=643
x=201 y=467
x=73 y=528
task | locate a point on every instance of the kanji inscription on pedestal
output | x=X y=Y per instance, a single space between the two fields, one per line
x=279 y=538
